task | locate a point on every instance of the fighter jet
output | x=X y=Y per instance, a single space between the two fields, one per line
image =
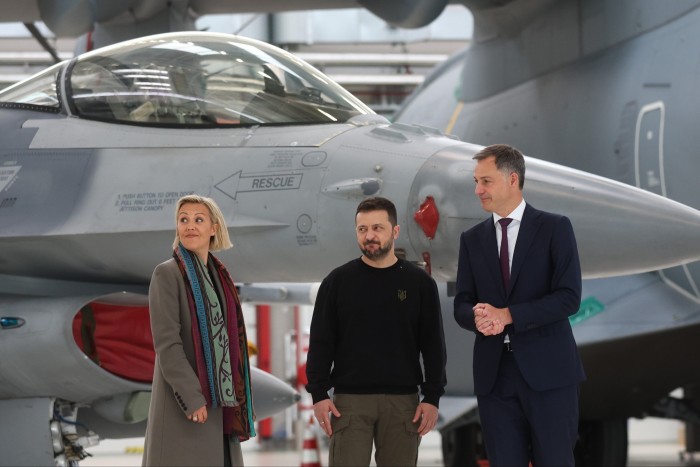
x=96 y=150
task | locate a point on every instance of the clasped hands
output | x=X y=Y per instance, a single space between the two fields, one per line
x=490 y=320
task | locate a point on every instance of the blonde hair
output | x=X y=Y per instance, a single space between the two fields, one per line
x=220 y=240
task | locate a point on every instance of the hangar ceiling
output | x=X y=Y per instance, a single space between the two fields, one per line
x=378 y=63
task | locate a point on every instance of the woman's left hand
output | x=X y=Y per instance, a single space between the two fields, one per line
x=199 y=415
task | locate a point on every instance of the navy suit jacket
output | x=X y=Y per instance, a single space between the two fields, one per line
x=544 y=290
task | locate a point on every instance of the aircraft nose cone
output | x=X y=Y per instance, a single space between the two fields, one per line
x=620 y=229
x=272 y=395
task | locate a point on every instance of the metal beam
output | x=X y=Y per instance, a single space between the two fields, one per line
x=42 y=41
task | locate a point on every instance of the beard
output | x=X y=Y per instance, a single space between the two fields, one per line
x=380 y=252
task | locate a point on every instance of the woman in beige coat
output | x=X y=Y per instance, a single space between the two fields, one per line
x=201 y=404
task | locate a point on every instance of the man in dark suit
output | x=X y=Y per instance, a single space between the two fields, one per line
x=518 y=281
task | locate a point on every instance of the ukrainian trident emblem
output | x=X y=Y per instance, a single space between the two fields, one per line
x=402 y=295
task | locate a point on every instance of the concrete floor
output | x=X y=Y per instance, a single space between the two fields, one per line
x=128 y=453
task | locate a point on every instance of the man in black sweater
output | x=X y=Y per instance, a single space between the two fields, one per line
x=375 y=317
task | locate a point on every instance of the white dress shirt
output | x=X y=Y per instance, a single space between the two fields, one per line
x=512 y=231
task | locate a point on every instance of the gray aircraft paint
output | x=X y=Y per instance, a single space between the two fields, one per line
x=92 y=204
x=576 y=89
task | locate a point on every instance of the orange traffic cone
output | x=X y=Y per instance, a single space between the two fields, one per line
x=310 y=453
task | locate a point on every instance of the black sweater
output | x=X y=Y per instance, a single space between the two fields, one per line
x=369 y=329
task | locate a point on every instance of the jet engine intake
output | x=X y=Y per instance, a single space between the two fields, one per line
x=78 y=349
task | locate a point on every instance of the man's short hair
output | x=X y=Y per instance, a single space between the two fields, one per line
x=378 y=203
x=508 y=160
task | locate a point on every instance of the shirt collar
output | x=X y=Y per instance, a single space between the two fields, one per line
x=516 y=215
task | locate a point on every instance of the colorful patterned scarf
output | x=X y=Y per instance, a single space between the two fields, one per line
x=218 y=356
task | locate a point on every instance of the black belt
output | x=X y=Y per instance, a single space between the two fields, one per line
x=507 y=347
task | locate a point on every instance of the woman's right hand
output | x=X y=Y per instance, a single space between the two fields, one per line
x=199 y=415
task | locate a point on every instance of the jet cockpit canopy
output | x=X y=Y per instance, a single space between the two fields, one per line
x=188 y=79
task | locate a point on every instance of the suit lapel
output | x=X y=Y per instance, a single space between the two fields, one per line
x=526 y=235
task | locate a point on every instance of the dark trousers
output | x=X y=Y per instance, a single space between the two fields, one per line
x=521 y=425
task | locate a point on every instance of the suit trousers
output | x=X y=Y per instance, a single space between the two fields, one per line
x=384 y=420
x=520 y=424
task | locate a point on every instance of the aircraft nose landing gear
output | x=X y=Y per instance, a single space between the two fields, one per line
x=69 y=445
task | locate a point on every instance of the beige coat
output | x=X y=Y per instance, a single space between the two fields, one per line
x=172 y=439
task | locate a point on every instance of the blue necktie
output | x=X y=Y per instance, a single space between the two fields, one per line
x=505 y=265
